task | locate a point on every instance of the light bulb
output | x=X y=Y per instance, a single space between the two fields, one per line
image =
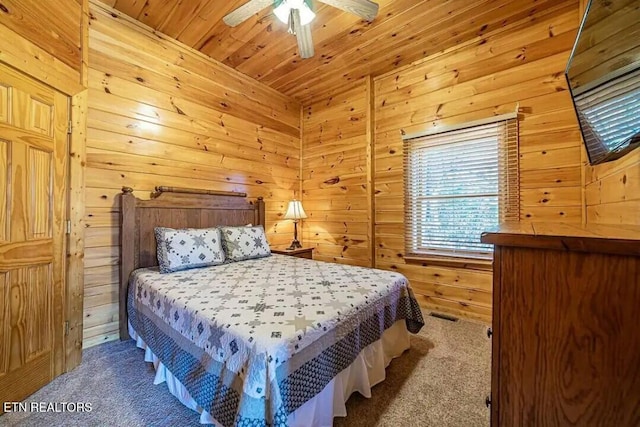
x=283 y=11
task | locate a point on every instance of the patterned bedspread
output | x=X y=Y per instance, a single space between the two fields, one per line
x=254 y=340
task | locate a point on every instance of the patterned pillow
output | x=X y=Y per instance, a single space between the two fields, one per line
x=242 y=243
x=186 y=248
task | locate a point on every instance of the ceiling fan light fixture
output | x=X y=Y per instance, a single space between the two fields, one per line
x=282 y=10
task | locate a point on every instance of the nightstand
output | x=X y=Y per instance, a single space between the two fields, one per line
x=300 y=253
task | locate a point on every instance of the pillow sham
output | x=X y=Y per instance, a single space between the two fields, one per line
x=182 y=249
x=244 y=242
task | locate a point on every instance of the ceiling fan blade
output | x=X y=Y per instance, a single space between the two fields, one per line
x=246 y=11
x=365 y=9
x=303 y=34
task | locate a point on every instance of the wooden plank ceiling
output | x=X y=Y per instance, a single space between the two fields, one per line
x=347 y=48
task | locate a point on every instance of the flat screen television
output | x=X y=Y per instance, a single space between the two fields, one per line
x=603 y=74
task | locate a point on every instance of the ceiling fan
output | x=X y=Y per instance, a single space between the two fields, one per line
x=298 y=14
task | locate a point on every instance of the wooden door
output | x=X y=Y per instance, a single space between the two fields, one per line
x=33 y=174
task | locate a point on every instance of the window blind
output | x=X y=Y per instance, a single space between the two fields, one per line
x=458 y=184
x=608 y=115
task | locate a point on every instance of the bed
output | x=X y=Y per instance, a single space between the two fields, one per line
x=275 y=340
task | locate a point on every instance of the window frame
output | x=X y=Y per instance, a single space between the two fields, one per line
x=508 y=192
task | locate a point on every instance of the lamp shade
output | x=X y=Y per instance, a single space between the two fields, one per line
x=295 y=210
x=282 y=10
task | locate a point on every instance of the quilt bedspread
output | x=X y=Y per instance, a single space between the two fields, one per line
x=254 y=340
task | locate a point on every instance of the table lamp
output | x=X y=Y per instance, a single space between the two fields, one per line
x=295 y=211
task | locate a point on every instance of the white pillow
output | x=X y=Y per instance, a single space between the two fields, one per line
x=244 y=242
x=182 y=249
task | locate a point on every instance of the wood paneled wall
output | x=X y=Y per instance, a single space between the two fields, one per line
x=334 y=176
x=517 y=66
x=162 y=114
x=50 y=47
x=52 y=25
x=613 y=191
x=521 y=65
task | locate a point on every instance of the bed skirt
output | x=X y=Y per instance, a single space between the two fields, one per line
x=367 y=370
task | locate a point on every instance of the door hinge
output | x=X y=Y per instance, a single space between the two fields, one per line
x=70 y=128
x=68 y=226
x=66 y=328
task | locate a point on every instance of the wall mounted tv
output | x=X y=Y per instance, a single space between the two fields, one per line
x=604 y=78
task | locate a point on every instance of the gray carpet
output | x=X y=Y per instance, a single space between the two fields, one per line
x=441 y=381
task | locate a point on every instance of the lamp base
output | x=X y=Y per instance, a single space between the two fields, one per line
x=295 y=244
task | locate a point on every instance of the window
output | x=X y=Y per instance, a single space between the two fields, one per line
x=459 y=183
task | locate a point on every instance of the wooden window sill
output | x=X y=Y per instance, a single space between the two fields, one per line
x=470 y=263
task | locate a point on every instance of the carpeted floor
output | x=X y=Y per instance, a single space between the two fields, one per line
x=441 y=381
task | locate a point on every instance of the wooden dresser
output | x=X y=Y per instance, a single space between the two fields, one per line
x=566 y=325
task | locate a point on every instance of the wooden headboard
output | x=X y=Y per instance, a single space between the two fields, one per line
x=175 y=208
